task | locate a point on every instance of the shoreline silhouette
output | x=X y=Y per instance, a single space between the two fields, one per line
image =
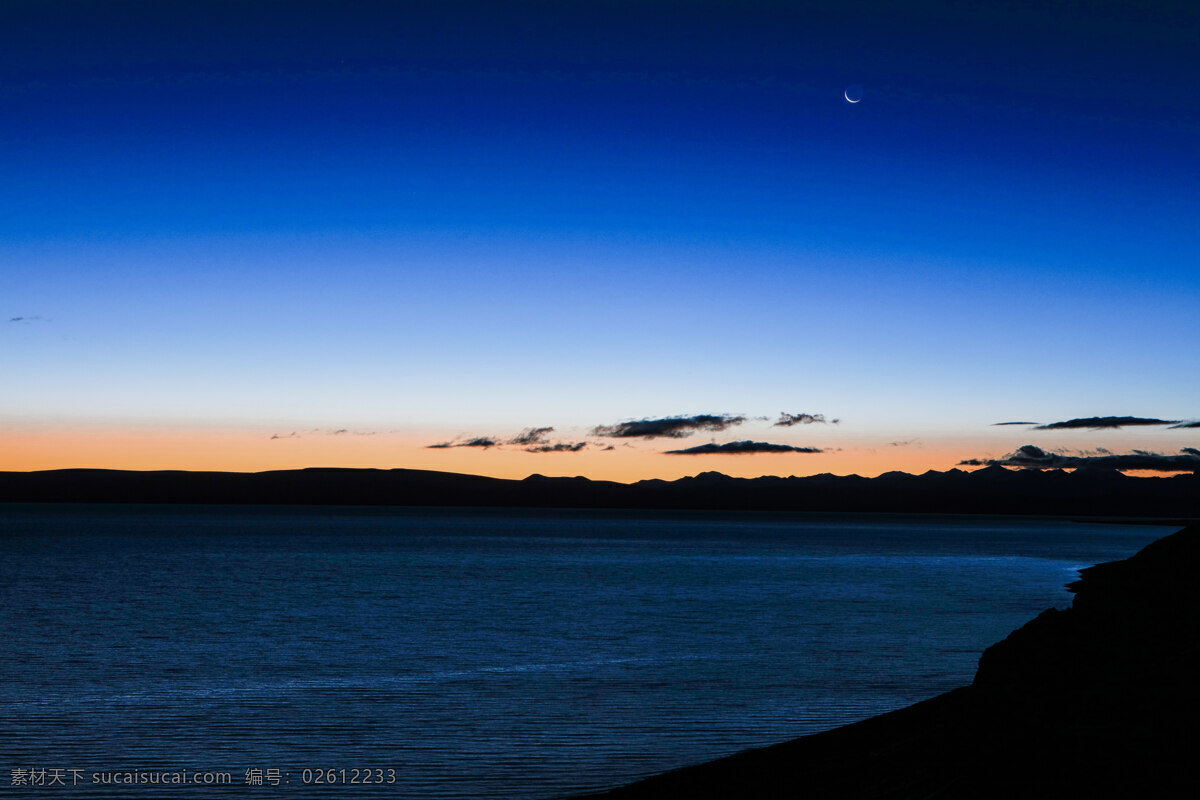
x=1092 y=701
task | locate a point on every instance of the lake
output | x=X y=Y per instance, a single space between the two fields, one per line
x=482 y=653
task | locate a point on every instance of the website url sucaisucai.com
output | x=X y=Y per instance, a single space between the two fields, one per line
x=168 y=777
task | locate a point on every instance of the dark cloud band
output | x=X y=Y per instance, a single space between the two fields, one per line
x=668 y=427
x=1032 y=457
x=741 y=448
x=482 y=442
x=532 y=436
x=557 y=447
x=1098 y=423
x=787 y=420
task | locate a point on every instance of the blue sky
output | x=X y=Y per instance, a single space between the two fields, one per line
x=272 y=215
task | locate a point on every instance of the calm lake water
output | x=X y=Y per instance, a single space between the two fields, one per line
x=484 y=654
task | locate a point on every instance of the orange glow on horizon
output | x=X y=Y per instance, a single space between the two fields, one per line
x=244 y=451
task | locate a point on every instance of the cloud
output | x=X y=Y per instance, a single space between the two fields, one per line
x=479 y=441
x=482 y=442
x=28 y=319
x=292 y=435
x=669 y=427
x=787 y=420
x=532 y=440
x=531 y=436
x=904 y=443
x=1097 y=423
x=1015 y=423
x=1189 y=424
x=339 y=432
x=741 y=448
x=1032 y=457
x=557 y=447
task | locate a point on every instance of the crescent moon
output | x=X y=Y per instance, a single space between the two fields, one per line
x=848 y=100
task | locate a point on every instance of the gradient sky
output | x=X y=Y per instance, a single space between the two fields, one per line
x=417 y=223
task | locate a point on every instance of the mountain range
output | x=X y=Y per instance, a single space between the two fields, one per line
x=1092 y=492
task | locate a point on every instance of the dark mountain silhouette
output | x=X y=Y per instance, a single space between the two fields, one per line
x=1099 y=700
x=991 y=490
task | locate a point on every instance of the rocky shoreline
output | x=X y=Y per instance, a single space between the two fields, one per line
x=1096 y=700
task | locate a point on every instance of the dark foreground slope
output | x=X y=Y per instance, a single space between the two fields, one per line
x=1099 y=700
x=993 y=490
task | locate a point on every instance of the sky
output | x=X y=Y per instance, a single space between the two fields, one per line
x=266 y=235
